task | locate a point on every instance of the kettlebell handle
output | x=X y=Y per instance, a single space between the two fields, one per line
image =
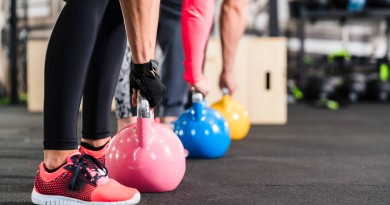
x=197 y=97
x=225 y=91
x=144 y=121
x=143 y=108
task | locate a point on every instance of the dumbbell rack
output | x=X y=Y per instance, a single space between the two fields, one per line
x=340 y=15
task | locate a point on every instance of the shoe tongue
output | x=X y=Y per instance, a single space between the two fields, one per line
x=93 y=172
x=70 y=158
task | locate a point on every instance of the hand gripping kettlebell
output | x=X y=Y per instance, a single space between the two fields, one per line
x=235 y=114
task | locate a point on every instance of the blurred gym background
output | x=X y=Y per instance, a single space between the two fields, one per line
x=333 y=53
x=318 y=68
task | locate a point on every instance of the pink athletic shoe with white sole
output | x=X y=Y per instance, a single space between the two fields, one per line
x=82 y=180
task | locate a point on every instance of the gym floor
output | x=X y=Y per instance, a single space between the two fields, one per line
x=319 y=157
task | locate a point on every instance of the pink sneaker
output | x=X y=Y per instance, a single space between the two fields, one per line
x=76 y=183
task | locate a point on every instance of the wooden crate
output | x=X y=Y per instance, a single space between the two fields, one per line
x=36 y=52
x=260 y=68
x=35 y=75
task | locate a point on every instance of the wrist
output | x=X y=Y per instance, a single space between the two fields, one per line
x=226 y=70
x=193 y=80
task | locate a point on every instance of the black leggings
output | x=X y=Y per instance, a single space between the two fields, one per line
x=83 y=59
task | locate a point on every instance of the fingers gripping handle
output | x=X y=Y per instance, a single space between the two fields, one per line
x=197 y=97
x=225 y=91
x=143 y=108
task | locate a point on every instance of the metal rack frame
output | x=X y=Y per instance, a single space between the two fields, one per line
x=340 y=15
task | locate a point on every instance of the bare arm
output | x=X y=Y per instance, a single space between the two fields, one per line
x=141 y=19
x=232 y=26
x=197 y=19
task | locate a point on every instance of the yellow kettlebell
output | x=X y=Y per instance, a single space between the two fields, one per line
x=235 y=114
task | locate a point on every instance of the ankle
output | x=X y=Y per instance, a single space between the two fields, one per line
x=53 y=164
x=96 y=143
x=56 y=158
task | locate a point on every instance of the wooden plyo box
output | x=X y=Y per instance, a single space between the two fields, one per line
x=260 y=69
x=36 y=52
x=35 y=75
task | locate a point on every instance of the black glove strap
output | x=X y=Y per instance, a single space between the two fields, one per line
x=144 y=77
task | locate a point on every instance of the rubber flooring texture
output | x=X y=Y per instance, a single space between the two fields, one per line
x=319 y=157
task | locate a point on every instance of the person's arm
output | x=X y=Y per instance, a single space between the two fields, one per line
x=141 y=20
x=197 y=19
x=232 y=26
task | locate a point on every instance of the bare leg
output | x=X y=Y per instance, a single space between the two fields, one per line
x=232 y=23
x=55 y=158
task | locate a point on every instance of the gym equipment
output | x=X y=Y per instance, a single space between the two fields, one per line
x=262 y=82
x=350 y=5
x=235 y=114
x=317 y=4
x=354 y=83
x=379 y=88
x=327 y=103
x=355 y=86
x=293 y=92
x=294 y=9
x=203 y=131
x=326 y=89
x=340 y=55
x=322 y=91
x=356 y=5
x=35 y=74
x=378 y=3
x=146 y=155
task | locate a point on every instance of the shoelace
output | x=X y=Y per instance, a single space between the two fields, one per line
x=81 y=163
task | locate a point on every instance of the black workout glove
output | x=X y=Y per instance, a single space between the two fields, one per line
x=144 y=77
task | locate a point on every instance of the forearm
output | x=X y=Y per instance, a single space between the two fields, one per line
x=141 y=18
x=232 y=26
x=197 y=19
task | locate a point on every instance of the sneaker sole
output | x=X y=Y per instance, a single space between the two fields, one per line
x=42 y=199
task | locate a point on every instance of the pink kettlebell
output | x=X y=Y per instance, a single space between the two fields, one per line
x=146 y=155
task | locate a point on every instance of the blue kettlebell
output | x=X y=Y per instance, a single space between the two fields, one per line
x=356 y=5
x=203 y=131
